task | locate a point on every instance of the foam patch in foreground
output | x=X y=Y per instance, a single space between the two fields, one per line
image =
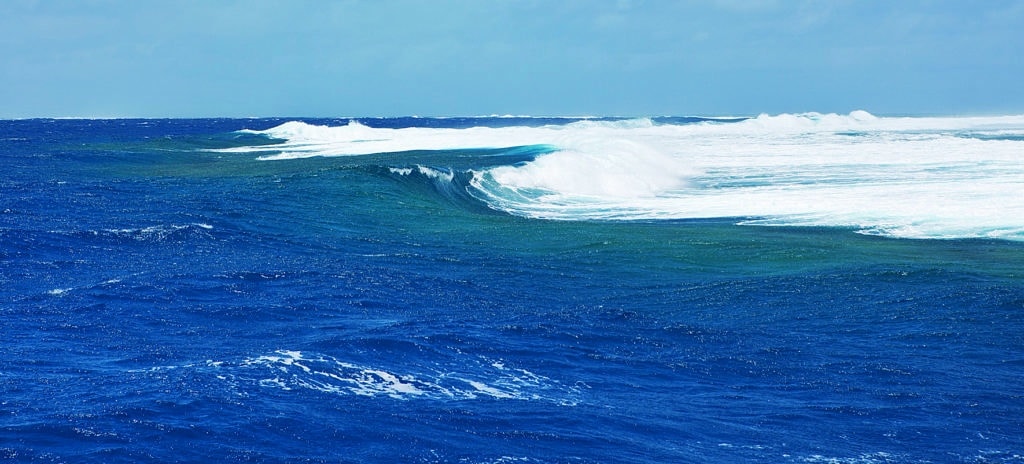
x=480 y=379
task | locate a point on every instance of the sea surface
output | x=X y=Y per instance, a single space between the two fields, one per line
x=795 y=288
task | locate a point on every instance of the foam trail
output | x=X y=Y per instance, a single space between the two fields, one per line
x=903 y=177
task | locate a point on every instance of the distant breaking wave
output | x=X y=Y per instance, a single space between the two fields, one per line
x=937 y=177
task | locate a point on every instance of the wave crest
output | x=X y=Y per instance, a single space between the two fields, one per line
x=610 y=169
x=950 y=177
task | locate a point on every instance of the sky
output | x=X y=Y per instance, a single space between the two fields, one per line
x=323 y=58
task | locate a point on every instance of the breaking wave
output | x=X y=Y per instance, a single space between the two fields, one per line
x=900 y=177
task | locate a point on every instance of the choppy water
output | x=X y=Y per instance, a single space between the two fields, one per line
x=793 y=288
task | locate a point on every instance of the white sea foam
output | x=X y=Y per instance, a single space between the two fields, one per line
x=938 y=177
x=63 y=291
x=436 y=174
x=157 y=233
x=879 y=457
x=474 y=379
x=305 y=140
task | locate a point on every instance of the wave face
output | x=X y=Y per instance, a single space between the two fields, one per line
x=899 y=177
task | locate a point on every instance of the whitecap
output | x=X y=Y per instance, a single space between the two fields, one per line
x=475 y=378
x=910 y=177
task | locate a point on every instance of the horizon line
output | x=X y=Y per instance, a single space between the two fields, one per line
x=525 y=116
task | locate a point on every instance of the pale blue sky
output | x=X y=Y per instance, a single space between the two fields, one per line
x=150 y=58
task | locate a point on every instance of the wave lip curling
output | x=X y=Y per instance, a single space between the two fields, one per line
x=929 y=177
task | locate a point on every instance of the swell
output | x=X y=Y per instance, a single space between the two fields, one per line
x=450 y=175
x=449 y=185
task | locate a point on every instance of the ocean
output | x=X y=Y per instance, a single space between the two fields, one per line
x=795 y=288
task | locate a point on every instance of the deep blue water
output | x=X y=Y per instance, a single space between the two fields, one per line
x=162 y=301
